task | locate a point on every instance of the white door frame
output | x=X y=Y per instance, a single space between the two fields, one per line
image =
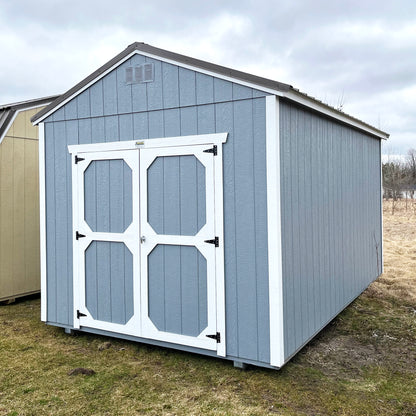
x=216 y=139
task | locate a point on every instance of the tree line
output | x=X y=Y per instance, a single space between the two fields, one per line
x=399 y=177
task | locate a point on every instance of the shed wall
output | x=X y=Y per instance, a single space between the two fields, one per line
x=331 y=219
x=19 y=209
x=179 y=102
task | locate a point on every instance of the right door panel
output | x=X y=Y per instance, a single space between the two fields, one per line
x=178 y=270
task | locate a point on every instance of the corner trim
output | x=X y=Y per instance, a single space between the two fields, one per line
x=42 y=223
x=274 y=232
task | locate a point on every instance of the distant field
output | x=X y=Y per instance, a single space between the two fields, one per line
x=363 y=363
x=399 y=277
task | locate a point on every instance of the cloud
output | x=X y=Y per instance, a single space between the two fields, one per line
x=358 y=53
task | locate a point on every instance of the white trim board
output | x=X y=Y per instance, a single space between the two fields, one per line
x=216 y=138
x=42 y=223
x=311 y=103
x=274 y=232
x=14 y=118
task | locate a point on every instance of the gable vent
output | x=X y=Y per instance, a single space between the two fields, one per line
x=129 y=75
x=140 y=73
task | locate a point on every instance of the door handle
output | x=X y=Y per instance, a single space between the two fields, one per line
x=142 y=239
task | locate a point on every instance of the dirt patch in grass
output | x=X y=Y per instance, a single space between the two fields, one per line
x=362 y=363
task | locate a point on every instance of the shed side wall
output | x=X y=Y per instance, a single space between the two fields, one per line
x=19 y=209
x=179 y=102
x=331 y=219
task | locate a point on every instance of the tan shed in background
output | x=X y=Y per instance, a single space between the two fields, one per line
x=19 y=199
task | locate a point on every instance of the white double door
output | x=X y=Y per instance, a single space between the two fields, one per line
x=147 y=257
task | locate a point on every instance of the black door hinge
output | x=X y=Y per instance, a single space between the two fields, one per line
x=79 y=314
x=78 y=159
x=213 y=150
x=215 y=241
x=79 y=235
x=216 y=336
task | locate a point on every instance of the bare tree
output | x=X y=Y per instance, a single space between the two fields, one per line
x=411 y=171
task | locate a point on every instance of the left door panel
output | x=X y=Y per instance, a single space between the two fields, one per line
x=105 y=241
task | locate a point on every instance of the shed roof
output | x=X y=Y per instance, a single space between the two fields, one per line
x=8 y=111
x=264 y=84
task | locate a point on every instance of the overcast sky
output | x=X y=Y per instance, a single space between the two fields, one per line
x=358 y=54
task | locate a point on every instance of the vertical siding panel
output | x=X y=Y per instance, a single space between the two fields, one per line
x=84 y=130
x=126 y=127
x=31 y=216
x=6 y=214
x=223 y=90
x=170 y=76
x=72 y=132
x=123 y=90
x=206 y=119
x=91 y=276
x=52 y=299
x=245 y=232
x=140 y=126
x=61 y=218
x=117 y=277
x=116 y=196
x=83 y=104
x=187 y=87
x=308 y=224
x=155 y=88
x=188 y=197
x=294 y=123
x=240 y=92
x=302 y=231
x=172 y=122
x=102 y=209
x=171 y=191
x=173 y=300
x=260 y=198
x=225 y=122
x=189 y=121
x=96 y=99
x=287 y=246
x=139 y=91
x=18 y=204
x=103 y=281
x=70 y=110
x=156 y=291
x=59 y=115
x=204 y=89
x=110 y=93
x=97 y=130
x=189 y=291
x=155 y=124
x=315 y=184
x=111 y=130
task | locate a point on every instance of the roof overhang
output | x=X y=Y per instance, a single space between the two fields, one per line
x=9 y=112
x=228 y=74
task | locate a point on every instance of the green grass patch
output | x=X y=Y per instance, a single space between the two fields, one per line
x=363 y=363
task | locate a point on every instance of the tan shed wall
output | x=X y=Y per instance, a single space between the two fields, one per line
x=19 y=209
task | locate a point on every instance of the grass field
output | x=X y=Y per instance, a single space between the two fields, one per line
x=363 y=363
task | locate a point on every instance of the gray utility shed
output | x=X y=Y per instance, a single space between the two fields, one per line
x=197 y=207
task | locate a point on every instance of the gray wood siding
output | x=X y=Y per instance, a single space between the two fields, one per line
x=179 y=102
x=178 y=273
x=331 y=219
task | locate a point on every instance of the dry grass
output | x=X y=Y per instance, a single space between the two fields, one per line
x=399 y=277
x=362 y=364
